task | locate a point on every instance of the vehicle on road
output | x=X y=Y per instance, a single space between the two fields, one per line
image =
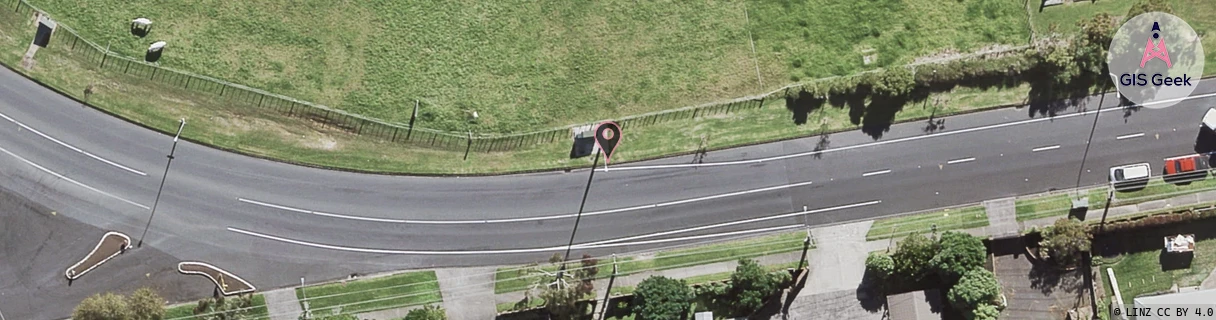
x=1209 y=119
x=1186 y=164
x=1130 y=176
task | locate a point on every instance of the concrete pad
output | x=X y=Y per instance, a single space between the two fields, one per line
x=838 y=261
x=841 y=305
x=1002 y=217
x=1153 y=205
x=468 y=292
x=283 y=304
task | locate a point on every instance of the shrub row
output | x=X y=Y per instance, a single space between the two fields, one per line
x=902 y=80
x=1179 y=216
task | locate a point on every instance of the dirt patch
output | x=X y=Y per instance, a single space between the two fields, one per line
x=112 y=244
x=951 y=54
x=228 y=283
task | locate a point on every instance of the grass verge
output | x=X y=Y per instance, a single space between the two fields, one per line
x=948 y=219
x=512 y=279
x=395 y=291
x=706 y=278
x=1156 y=189
x=186 y=311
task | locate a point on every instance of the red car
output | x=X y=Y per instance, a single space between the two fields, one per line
x=1186 y=164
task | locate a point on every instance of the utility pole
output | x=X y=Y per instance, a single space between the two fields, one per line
x=162 y=182
x=579 y=216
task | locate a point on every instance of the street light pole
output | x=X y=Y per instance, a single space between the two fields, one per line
x=579 y=216
x=162 y=181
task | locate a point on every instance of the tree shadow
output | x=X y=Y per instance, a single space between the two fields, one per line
x=871 y=292
x=802 y=105
x=1151 y=238
x=880 y=113
x=855 y=101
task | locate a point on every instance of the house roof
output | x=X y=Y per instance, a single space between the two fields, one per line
x=916 y=305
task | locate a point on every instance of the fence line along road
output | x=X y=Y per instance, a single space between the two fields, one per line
x=395 y=132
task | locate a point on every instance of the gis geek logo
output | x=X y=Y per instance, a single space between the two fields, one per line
x=1141 y=60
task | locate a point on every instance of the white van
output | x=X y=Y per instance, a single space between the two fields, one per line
x=1209 y=119
x=1130 y=172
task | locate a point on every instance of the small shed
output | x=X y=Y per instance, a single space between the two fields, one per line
x=1180 y=244
x=916 y=305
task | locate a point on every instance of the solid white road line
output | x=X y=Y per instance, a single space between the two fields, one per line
x=1045 y=148
x=1129 y=136
x=912 y=138
x=955 y=161
x=502 y=251
x=64 y=144
x=549 y=217
x=867 y=174
x=60 y=176
x=753 y=220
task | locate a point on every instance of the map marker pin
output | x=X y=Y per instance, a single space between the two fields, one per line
x=607 y=136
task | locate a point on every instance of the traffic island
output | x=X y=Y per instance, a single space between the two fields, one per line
x=227 y=283
x=112 y=244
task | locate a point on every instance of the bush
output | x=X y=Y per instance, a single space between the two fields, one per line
x=661 y=298
x=429 y=312
x=751 y=285
x=1066 y=240
x=880 y=264
x=145 y=304
x=960 y=253
x=986 y=312
x=976 y=288
x=912 y=256
x=107 y=306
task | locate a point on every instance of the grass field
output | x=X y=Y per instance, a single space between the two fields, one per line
x=1055 y=205
x=948 y=219
x=186 y=311
x=1141 y=273
x=395 y=291
x=522 y=64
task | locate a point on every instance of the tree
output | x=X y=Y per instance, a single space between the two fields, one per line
x=236 y=308
x=977 y=287
x=1091 y=48
x=107 y=306
x=661 y=298
x=1065 y=241
x=750 y=285
x=912 y=256
x=986 y=312
x=1147 y=6
x=880 y=264
x=429 y=312
x=960 y=253
x=562 y=291
x=145 y=304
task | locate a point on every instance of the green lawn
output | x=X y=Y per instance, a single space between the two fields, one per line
x=1055 y=205
x=511 y=279
x=948 y=219
x=1141 y=272
x=395 y=291
x=186 y=311
x=525 y=64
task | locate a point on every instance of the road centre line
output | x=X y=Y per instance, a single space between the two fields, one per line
x=1045 y=148
x=550 y=217
x=956 y=161
x=867 y=174
x=503 y=251
x=905 y=139
x=1129 y=136
x=73 y=148
x=60 y=176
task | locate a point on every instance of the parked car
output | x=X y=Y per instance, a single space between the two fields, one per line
x=1186 y=164
x=1130 y=176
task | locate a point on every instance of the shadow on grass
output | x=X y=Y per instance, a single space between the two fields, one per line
x=1151 y=238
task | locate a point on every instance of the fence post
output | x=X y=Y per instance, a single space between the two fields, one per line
x=105 y=55
x=394 y=139
x=469 y=146
x=222 y=87
x=410 y=131
x=17 y=7
x=153 y=74
x=74 y=39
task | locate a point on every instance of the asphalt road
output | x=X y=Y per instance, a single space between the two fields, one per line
x=273 y=223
